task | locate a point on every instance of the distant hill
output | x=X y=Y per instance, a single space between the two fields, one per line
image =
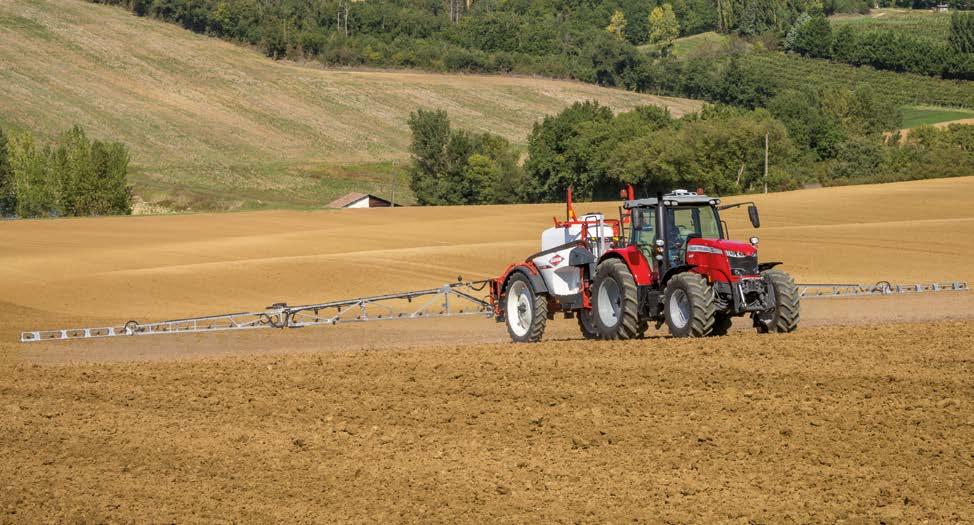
x=212 y=125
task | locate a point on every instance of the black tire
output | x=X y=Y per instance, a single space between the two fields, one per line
x=722 y=324
x=614 y=301
x=642 y=329
x=586 y=324
x=784 y=317
x=688 y=303
x=530 y=310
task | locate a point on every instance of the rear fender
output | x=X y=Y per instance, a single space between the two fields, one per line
x=676 y=270
x=498 y=285
x=528 y=270
x=638 y=266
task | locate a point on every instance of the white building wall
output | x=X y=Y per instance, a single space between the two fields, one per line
x=361 y=203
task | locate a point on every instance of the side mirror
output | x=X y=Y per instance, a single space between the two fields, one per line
x=752 y=212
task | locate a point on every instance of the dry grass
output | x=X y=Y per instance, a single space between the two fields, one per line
x=223 y=124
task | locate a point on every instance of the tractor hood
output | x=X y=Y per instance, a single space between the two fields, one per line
x=726 y=246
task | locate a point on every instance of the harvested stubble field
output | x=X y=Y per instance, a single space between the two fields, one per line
x=215 y=125
x=865 y=414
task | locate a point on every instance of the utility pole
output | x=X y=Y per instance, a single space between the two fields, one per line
x=394 y=178
x=766 y=161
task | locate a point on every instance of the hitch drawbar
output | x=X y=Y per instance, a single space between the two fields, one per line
x=450 y=300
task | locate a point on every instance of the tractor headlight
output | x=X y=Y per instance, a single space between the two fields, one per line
x=754 y=241
x=659 y=242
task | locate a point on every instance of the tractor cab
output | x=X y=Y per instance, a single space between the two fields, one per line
x=664 y=229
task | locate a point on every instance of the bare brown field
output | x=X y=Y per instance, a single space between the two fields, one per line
x=828 y=425
x=865 y=415
x=227 y=125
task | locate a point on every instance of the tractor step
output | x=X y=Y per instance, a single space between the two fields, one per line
x=450 y=300
x=827 y=291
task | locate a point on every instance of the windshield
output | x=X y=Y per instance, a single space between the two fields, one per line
x=686 y=221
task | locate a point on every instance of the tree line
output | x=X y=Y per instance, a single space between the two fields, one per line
x=833 y=138
x=563 y=38
x=891 y=50
x=75 y=176
x=593 y=42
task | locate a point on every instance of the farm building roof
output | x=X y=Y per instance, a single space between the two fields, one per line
x=351 y=198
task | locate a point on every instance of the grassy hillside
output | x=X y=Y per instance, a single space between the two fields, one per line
x=793 y=71
x=213 y=125
x=685 y=46
x=929 y=24
x=913 y=117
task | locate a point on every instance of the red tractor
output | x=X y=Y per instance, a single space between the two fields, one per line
x=674 y=264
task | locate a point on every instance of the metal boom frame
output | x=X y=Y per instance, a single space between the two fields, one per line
x=829 y=291
x=450 y=300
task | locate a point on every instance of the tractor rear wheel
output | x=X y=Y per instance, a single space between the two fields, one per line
x=586 y=324
x=785 y=314
x=614 y=301
x=689 y=305
x=525 y=311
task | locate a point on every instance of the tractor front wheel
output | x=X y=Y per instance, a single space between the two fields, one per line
x=689 y=306
x=614 y=301
x=722 y=324
x=785 y=314
x=525 y=311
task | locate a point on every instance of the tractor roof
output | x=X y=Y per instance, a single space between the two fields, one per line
x=677 y=196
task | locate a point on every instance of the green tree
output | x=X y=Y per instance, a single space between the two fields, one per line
x=857 y=159
x=8 y=199
x=663 y=25
x=761 y=16
x=617 y=25
x=962 y=31
x=30 y=173
x=457 y=167
x=741 y=86
x=723 y=153
x=555 y=160
x=814 y=38
x=797 y=27
x=74 y=177
x=430 y=135
x=844 y=44
x=118 y=193
x=809 y=125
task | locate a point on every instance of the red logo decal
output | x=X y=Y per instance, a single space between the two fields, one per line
x=556 y=260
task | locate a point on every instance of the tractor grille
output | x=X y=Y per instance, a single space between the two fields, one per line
x=744 y=265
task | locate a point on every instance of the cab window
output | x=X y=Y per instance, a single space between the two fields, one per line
x=644 y=233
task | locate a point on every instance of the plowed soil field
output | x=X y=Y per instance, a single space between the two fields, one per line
x=864 y=415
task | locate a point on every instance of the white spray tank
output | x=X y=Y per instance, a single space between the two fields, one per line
x=561 y=278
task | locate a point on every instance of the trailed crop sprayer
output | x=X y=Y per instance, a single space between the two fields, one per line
x=664 y=260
